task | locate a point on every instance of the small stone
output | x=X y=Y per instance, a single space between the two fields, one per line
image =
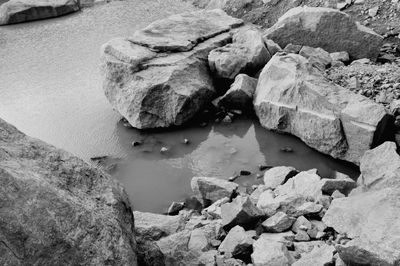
x=210 y=189
x=186 y=141
x=372 y=12
x=301 y=223
x=244 y=172
x=337 y=194
x=278 y=175
x=267 y=252
x=164 y=150
x=233 y=178
x=286 y=149
x=277 y=223
x=241 y=211
x=214 y=210
x=227 y=119
x=301 y=236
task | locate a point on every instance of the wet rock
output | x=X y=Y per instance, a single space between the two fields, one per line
x=16 y=11
x=301 y=235
x=301 y=224
x=324 y=115
x=327 y=28
x=343 y=183
x=277 y=223
x=340 y=56
x=209 y=189
x=175 y=207
x=154 y=89
x=56 y=209
x=267 y=252
x=278 y=175
x=246 y=54
x=237 y=242
x=318 y=57
x=241 y=211
x=240 y=94
x=245 y=172
x=322 y=255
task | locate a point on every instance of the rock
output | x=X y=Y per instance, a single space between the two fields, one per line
x=380 y=167
x=372 y=12
x=255 y=195
x=56 y=209
x=292 y=48
x=324 y=115
x=240 y=94
x=228 y=5
x=337 y=194
x=304 y=209
x=306 y=247
x=267 y=203
x=210 y=189
x=330 y=29
x=343 y=183
x=246 y=54
x=272 y=47
x=278 y=175
x=342 y=56
x=175 y=207
x=214 y=210
x=285 y=238
x=302 y=235
x=301 y=224
x=198 y=241
x=278 y=223
x=208 y=258
x=271 y=253
x=241 y=211
x=319 y=256
x=318 y=57
x=237 y=242
x=159 y=77
x=16 y=11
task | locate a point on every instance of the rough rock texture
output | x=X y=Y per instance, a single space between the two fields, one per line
x=152 y=88
x=246 y=54
x=318 y=57
x=341 y=183
x=330 y=29
x=58 y=210
x=319 y=256
x=271 y=253
x=16 y=11
x=278 y=175
x=237 y=243
x=293 y=97
x=210 y=189
x=240 y=94
x=241 y=211
x=278 y=223
x=370 y=217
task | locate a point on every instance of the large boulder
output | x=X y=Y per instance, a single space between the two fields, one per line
x=58 y=210
x=16 y=11
x=160 y=77
x=330 y=29
x=294 y=97
x=370 y=218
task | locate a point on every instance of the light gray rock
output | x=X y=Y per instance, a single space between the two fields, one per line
x=198 y=240
x=278 y=175
x=16 y=11
x=278 y=223
x=237 y=242
x=318 y=57
x=330 y=29
x=304 y=209
x=343 y=183
x=269 y=253
x=214 y=210
x=56 y=209
x=267 y=203
x=272 y=47
x=319 y=256
x=255 y=195
x=175 y=207
x=285 y=238
x=154 y=89
x=301 y=235
x=294 y=97
x=210 y=189
x=228 y=5
x=301 y=224
x=240 y=211
x=337 y=194
x=306 y=247
x=240 y=94
x=246 y=54
x=342 y=56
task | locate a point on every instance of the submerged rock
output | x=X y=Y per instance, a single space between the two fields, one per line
x=56 y=209
x=293 y=97
x=16 y=11
x=330 y=29
x=159 y=77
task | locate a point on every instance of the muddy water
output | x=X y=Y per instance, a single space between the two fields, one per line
x=50 y=88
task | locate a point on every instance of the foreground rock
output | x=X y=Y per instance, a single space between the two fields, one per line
x=210 y=189
x=160 y=76
x=269 y=252
x=16 y=11
x=294 y=97
x=370 y=218
x=56 y=209
x=330 y=29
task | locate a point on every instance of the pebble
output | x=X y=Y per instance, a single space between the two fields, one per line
x=286 y=149
x=244 y=172
x=186 y=141
x=164 y=150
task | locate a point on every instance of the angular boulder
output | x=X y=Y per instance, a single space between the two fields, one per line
x=237 y=243
x=56 y=209
x=330 y=29
x=210 y=189
x=160 y=77
x=16 y=11
x=318 y=57
x=271 y=253
x=278 y=175
x=320 y=255
x=294 y=97
x=241 y=211
x=342 y=183
x=278 y=223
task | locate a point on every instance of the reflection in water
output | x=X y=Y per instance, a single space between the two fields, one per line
x=50 y=88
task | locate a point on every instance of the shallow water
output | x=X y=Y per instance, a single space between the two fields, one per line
x=50 y=88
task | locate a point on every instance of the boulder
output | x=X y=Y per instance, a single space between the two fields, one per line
x=255 y=195
x=214 y=210
x=301 y=235
x=294 y=97
x=210 y=189
x=237 y=243
x=278 y=175
x=285 y=238
x=160 y=77
x=318 y=57
x=271 y=253
x=278 y=223
x=301 y=224
x=240 y=94
x=342 y=183
x=272 y=47
x=246 y=54
x=56 y=209
x=267 y=203
x=319 y=256
x=241 y=211
x=306 y=247
x=330 y=29
x=16 y=11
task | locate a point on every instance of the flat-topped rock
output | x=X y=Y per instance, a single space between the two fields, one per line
x=16 y=11
x=293 y=97
x=330 y=29
x=184 y=31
